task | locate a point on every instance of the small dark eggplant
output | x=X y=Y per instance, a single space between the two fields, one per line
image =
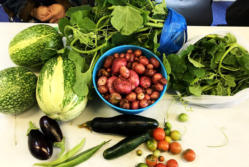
x=51 y=129
x=127 y=125
x=38 y=144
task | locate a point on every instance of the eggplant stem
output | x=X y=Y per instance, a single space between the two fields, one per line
x=31 y=127
x=86 y=125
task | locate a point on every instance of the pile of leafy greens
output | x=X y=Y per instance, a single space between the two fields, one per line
x=215 y=65
x=90 y=31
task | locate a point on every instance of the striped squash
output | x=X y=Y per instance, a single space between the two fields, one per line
x=54 y=91
x=33 y=46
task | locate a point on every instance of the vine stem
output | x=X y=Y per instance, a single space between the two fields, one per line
x=223 y=57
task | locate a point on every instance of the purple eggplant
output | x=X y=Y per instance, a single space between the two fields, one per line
x=39 y=146
x=51 y=129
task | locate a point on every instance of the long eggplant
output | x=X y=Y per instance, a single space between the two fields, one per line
x=127 y=125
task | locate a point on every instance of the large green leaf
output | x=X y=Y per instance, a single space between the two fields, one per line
x=126 y=19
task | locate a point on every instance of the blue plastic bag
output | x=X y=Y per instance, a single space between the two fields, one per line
x=174 y=33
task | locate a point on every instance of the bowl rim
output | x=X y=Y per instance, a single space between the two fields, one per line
x=119 y=109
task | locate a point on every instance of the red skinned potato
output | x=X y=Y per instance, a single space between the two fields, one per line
x=110 y=84
x=131 y=96
x=117 y=64
x=140 y=96
x=139 y=68
x=145 y=82
x=156 y=77
x=135 y=105
x=155 y=95
x=102 y=81
x=134 y=79
x=108 y=61
x=124 y=103
x=138 y=52
x=144 y=60
x=163 y=81
x=149 y=91
x=115 y=98
x=124 y=72
x=143 y=103
x=149 y=66
x=158 y=87
x=132 y=57
x=122 y=55
x=116 y=55
x=155 y=62
x=150 y=72
x=129 y=51
x=138 y=90
x=122 y=86
x=134 y=65
x=102 y=89
x=103 y=72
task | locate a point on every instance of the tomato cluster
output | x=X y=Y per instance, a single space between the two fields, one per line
x=165 y=140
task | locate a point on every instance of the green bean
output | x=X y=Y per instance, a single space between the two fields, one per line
x=64 y=157
x=83 y=156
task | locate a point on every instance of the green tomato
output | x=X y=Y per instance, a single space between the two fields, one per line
x=167 y=132
x=168 y=139
x=167 y=126
x=142 y=165
x=156 y=153
x=139 y=152
x=151 y=144
x=183 y=117
x=175 y=135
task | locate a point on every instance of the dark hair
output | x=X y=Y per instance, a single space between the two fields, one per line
x=44 y=2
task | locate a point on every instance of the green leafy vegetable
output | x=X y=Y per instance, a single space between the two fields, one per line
x=126 y=19
x=90 y=31
x=215 y=65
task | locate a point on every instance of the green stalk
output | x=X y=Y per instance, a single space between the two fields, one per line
x=223 y=57
x=155 y=25
x=64 y=157
x=83 y=156
x=61 y=146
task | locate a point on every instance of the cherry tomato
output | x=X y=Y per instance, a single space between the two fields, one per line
x=161 y=158
x=175 y=148
x=189 y=155
x=172 y=163
x=160 y=165
x=151 y=160
x=151 y=144
x=163 y=145
x=159 y=134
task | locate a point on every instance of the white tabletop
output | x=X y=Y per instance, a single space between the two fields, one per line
x=201 y=130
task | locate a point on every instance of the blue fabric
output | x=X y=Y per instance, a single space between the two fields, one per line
x=3 y=16
x=219 y=12
x=174 y=33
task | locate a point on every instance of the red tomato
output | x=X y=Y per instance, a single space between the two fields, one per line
x=151 y=160
x=163 y=145
x=175 y=148
x=172 y=163
x=158 y=134
x=189 y=155
x=161 y=158
x=160 y=165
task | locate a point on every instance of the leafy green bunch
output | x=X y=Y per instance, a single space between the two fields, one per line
x=215 y=65
x=90 y=31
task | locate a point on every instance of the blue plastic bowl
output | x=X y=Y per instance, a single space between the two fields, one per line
x=123 y=49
